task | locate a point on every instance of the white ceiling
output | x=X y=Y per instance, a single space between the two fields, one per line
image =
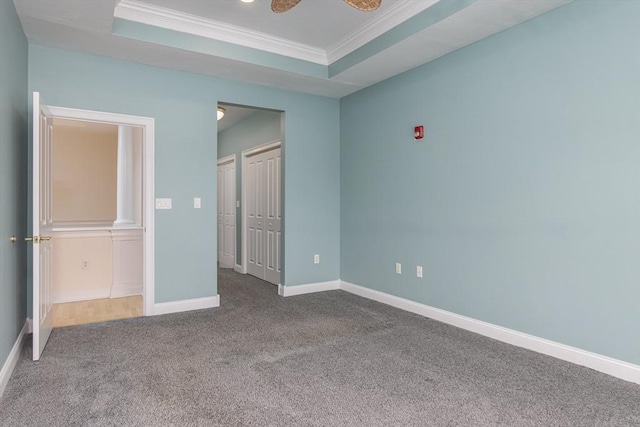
x=316 y=32
x=331 y=20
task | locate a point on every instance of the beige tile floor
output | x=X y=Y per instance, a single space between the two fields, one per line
x=97 y=310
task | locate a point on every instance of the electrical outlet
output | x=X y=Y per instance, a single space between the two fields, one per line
x=316 y=259
x=419 y=271
x=398 y=268
x=85 y=264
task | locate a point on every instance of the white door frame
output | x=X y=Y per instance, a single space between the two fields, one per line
x=148 y=205
x=245 y=155
x=224 y=161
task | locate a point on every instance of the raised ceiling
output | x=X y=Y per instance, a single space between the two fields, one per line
x=320 y=47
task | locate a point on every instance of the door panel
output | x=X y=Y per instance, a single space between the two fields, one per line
x=263 y=186
x=254 y=216
x=220 y=210
x=273 y=220
x=229 y=253
x=226 y=214
x=42 y=225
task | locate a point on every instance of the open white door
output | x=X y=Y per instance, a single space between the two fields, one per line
x=42 y=226
x=227 y=212
x=254 y=181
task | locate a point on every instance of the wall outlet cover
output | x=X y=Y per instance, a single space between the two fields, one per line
x=163 y=203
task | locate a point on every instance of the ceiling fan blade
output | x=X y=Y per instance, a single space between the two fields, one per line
x=364 y=5
x=279 y=6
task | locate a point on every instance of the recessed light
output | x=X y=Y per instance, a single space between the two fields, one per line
x=246 y=1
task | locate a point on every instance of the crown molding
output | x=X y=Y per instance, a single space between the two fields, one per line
x=144 y=13
x=401 y=11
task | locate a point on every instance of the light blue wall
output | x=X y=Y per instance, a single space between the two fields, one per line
x=257 y=129
x=13 y=180
x=523 y=201
x=184 y=107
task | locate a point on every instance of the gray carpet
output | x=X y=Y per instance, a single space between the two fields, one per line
x=326 y=359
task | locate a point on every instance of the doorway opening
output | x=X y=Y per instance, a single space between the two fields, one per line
x=97 y=222
x=250 y=192
x=131 y=229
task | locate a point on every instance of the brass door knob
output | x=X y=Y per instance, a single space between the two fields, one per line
x=13 y=239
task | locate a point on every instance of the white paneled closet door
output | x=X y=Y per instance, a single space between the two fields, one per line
x=255 y=215
x=227 y=214
x=273 y=220
x=264 y=216
x=220 y=210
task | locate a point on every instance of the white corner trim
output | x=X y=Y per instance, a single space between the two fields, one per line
x=12 y=358
x=238 y=269
x=100 y=116
x=186 y=305
x=126 y=290
x=62 y=297
x=267 y=146
x=289 y=291
x=400 y=11
x=608 y=365
x=228 y=159
x=144 y=13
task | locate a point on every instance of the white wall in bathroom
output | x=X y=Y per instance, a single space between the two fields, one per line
x=83 y=266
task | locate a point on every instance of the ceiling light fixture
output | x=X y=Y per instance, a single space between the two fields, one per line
x=221 y=111
x=279 y=6
x=246 y=1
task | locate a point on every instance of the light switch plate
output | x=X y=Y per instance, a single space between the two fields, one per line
x=197 y=203
x=163 y=203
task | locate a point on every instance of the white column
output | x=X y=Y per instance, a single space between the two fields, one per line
x=124 y=209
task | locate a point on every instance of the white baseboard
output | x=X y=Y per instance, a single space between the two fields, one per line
x=29 y=325
x=238 y=268
x=186 y=305
x=608 y=365
x=12 y=359
x=288 y=291
x=61 y=297
x=121 y=291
